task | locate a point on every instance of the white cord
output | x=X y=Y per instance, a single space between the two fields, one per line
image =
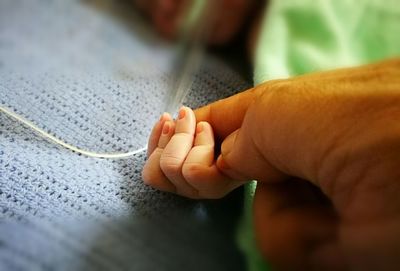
x=66 y=145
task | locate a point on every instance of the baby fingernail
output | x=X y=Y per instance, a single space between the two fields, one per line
x=163 y=116
x=182 y=113
x=165 y=129
x=199 y=128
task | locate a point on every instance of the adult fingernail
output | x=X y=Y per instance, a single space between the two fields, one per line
x=226 y=169
x=222 y=164
x=228 y=143
x=166 y=128
x=182 y=113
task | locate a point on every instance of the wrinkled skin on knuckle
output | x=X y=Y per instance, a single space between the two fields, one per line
x=271 y=114
x=192 y=172
x=194 y=175
x=170 y=165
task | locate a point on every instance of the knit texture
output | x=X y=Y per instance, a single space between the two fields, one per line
x=82 y=74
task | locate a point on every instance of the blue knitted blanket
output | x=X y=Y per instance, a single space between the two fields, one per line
x=80 y=71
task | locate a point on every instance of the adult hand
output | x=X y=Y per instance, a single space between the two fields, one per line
x=325 y=149
x=166 y=15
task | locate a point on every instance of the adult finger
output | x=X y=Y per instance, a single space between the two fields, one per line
x=241 y=158
x=292 y=223
x=226 y=115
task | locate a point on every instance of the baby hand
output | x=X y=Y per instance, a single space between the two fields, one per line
x=181 y=158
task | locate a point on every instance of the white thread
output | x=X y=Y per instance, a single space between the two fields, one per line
x=66 y=145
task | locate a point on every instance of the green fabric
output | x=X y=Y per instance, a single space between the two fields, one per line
x=304 y=36
x=245 y=236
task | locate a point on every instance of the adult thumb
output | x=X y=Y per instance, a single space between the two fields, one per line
x=241 y=160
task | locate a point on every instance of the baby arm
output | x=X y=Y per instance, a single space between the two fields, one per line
x=181 y=158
